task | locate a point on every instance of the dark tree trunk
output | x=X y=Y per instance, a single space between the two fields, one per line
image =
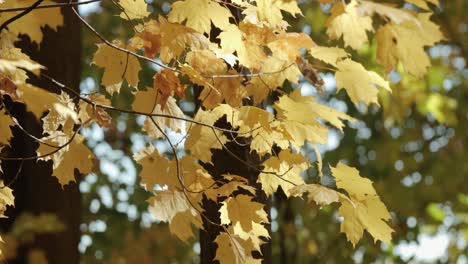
x=226 y=163
x=35 y=190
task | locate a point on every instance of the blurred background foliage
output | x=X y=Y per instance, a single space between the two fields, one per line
x=413 y=148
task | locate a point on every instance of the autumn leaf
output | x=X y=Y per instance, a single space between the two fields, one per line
x=321 y=195
x=71 y=155
x=32 y=23
x=166 y=204
x=241 y=209
x=155 y=169
x=405 y=43
x=363 y=210
x=345 y=21
x=133 y=9
x=282 y=171
x=5 y=131
x=6 y=198
x=360 y=84
x=118 y=66
x=207 y=12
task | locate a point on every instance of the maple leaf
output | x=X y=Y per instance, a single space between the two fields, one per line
x=202 y=139
x=256 y=236
x=345 y=21
x=396 y=15
x=62 y=114
x=32 y=23
x=359 y=83
x=330 y=55
x=134 y=9
x=175 y=38
x=6 y=198
x=5 y=131
x=96 y=114
x=270 y=11
x=231 y=250
x=234 y=182
x=194 y=177
x=37 y=100
x=299 y=117
x=166 y=204
x=74 y=155
x=117 y=66
x=282 y=170
x=154 y=168
x=181 y=224
x=150 y=102
x=405 y=43
x=319 y=194
x=363 y=210
x=207 y=11
x=241 y=209
x=168 y=84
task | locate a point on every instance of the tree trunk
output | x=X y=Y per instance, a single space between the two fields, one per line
x=35 y=190
x=226 y=163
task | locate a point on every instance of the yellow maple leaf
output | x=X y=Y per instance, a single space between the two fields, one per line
x=359 y=83
x=175 y=38
x=166 y=204
x=319 y=194
x=150 y=102
x=76 y=155
x=32 y=23
x=299 y=116
x=270 y=11
x=388 y=11
x=405 y=43
x=282 y=170
x=255 y=235
x=5 y=130
x=363 y=209
x=117 y=66
x=330 y=55
x=37 y=100
x=348 y=178
x=62 y=115
x=6 y=198
x=207 y=12
x=134 y=9
x=241 y=209
x=345 y=21
x=234 y=250
x=194 y=177
x=181 y=224
x=154 y=168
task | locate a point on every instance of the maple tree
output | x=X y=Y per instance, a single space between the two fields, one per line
x=237 y=61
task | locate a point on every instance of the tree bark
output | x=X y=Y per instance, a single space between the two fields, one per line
x=35 y=190
x=226 y=163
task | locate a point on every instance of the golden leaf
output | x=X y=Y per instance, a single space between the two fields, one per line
x=345 y=21
x=405 y=43
x=5 y=123
x=32 y=23
x=241 y=209
x=319 y=194
x=282 y=170
x=207 y=11
x=6 y=198
x=359 y=83
x=76 y=155
x=154 y=168
x=117 y=66
x=134 y=9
